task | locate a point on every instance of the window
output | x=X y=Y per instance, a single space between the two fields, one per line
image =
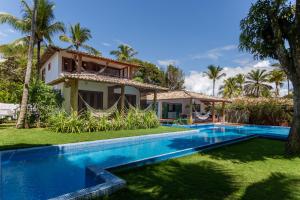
x=68 y=64
x=49 y=66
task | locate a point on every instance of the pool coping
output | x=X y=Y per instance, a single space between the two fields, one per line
x=107 y=141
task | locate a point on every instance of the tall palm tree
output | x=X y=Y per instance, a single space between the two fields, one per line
x=230 y=88
x=278 y=77
x=256 y=83
x=124 y=53
x=240 y=80
x=78 y=38
x=23 y=109
x=45 y=25
x=214 y=73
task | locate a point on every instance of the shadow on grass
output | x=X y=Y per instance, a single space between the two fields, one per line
x=276 y=186
x=177 y=180
x=252 y=150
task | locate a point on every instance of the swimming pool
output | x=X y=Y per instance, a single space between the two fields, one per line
x=49 y=172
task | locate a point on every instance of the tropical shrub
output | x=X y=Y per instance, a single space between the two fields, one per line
x=263 y=111
x=63 y=122
x=43 y=101
x=86 y=122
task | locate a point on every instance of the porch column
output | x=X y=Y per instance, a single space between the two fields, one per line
x=122 y=99
x=154 y=99
x=223 y=112
x=213 y=112
x=74 y=95
x=191 y=112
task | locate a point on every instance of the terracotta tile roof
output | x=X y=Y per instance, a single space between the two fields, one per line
x=183 y=94
x=52 y=49
x=106 y=79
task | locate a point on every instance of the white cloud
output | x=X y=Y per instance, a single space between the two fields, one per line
x=214 y=54
x=10 y=30
x=198 y=82
x=106 y=44
x=167 y=62
x=2 y=34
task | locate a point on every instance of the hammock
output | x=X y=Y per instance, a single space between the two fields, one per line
x=200 y=116
x=148 y=108
x=101 y=112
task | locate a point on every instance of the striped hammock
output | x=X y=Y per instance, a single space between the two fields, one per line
x=101 y=112
x=148 y=108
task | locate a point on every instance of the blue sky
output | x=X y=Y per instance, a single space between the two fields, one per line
x=192 y=33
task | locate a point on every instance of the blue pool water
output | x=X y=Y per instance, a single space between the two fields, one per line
x=43 y=174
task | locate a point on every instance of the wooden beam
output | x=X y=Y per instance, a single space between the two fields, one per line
x=74 y=95
x=223 y=112
x=122 y=99
x=191 y=112
x=213 y=112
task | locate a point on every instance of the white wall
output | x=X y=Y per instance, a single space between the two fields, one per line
x=55 y=69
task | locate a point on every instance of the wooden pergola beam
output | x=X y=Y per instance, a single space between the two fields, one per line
x=213 y=112
x=122 y=100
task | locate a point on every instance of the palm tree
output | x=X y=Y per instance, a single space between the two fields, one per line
x=23 y=109
x=256 y=82
x=286 y=76
x=45 y=25
x=78 y=37
x=124 y=53
x=230 y=88
x=240 y=80
x=214 y=73
x=278 y=77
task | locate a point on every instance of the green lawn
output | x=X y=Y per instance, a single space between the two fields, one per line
x=11 y=137
x=256 y=169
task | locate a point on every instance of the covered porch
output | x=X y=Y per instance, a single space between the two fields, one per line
x=195 y=107
x=101 y=92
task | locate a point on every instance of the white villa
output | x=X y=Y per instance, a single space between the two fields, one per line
x=98 y=80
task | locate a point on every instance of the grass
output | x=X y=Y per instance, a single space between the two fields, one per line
x=12 y=138
x=256 y=169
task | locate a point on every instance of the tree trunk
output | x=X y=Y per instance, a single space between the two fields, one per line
x=214 y=82
x=23 y=109
x=293 y=143
x=38 y=60
x=288 y=82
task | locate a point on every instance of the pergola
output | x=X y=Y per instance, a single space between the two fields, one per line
x=183 y=94
x=72 y=80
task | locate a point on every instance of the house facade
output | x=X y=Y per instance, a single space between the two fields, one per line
x=172 y=105
x=95 y=80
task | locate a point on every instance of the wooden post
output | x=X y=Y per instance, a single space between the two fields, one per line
x=191 y=112
x=223 y=112
x=122 y=99
x=213 y=112
x=79 y=64
x=74 y=95
x=154 y=100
